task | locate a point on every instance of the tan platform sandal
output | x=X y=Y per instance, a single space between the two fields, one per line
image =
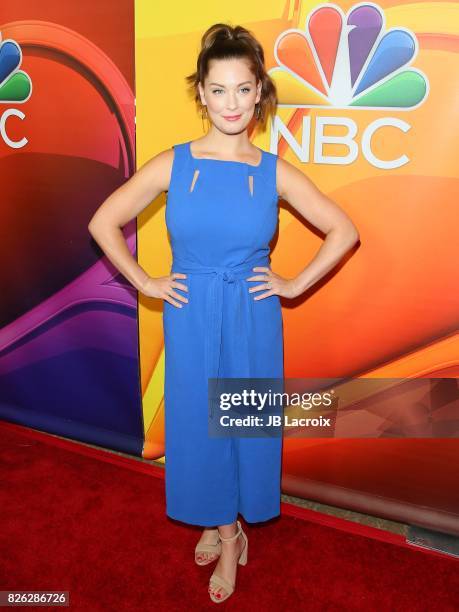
x=216 y=580
x=208 y=548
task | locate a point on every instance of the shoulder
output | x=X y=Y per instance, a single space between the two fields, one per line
x=163 y=159
x=287 y=175
x=158 y=168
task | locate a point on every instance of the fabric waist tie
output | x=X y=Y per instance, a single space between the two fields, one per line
x=214 y=309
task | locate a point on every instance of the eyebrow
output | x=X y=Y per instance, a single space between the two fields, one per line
x=243 y=82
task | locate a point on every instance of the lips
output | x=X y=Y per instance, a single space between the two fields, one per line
x=232 y=118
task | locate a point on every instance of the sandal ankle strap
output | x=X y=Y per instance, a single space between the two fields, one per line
x=236 y=535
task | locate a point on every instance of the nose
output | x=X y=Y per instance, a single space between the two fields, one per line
x=232 y=100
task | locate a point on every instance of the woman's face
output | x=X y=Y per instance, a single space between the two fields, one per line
x=229 y=91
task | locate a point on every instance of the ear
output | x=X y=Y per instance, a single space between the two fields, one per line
x=201 y=94
x=258 y=92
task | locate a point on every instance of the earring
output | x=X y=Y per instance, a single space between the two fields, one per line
x=203 y=115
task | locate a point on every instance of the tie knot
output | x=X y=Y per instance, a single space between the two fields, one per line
x=229 y=276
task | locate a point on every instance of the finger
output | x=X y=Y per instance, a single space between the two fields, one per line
x=171 y=301
x=260 y=269
x=179 y=286
x=178 y=275
x=180 y=297
x=259 y=277
x=258 y=288
x=260 y=297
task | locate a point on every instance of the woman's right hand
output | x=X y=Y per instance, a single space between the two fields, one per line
x=163 y=287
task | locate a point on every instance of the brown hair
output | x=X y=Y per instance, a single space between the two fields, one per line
x=222 y=41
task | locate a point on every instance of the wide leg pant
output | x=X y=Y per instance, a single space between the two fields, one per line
x=210 y=480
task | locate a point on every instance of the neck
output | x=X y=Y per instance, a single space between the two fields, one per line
x=231 y=145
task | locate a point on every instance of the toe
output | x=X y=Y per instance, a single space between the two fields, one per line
x=220 y=593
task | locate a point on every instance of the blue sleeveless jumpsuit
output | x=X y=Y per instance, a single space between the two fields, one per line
x=219 y=231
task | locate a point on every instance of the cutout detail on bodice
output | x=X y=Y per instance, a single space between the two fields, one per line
x=196 y=175
x=195 y=178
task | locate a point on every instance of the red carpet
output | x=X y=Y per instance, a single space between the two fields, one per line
x=90 y=522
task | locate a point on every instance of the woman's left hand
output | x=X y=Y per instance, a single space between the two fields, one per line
x=273 y=284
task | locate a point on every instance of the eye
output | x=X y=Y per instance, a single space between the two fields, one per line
x=246 y=88
x=215 y=90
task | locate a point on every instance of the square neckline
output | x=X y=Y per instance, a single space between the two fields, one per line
x=226 y=161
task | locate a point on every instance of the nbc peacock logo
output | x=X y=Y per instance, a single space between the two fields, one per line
x=348 y=61
x=15 y=84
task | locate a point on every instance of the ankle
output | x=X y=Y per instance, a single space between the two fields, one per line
x=230 y=533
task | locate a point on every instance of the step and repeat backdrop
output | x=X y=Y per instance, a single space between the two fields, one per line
x=69 y=335
x=367 y=93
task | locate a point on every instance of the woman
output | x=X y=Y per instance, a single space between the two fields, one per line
x=222 y=314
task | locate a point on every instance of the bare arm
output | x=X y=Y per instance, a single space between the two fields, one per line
x=323 y=213
x=297 y=189
x=123 y=205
